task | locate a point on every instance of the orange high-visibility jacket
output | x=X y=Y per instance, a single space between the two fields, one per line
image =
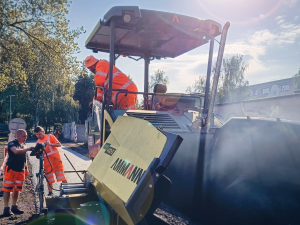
x=54 y=157
x=52 y=152
x=49 y=149
x=120 y=81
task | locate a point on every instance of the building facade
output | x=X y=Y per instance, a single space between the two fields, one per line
x=272 y=89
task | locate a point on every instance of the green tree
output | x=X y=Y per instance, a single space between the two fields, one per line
x=198 y=86
x=296 y=79
x=84 y=92
x=54 y=105
x=37 y=59
x=5 y=102
x=46 y=95
x=232 y=83
x=46 y=85
x=158 y=78
x=38 y=29
x=139 y=103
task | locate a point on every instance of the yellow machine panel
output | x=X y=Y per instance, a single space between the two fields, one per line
x=124 y=157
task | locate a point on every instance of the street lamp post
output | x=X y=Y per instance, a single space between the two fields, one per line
x=10 y=106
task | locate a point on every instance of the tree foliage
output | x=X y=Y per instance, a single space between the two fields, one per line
x=139 y=103
x=158 y=78
x=84 y=92
x=40 y=105
x=232 y=84
x=296 y=79
x=37 y=29
x=198 y=86
x=40 y=102
x=37 y=61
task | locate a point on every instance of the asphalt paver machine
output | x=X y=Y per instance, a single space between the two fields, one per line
x=245 y=171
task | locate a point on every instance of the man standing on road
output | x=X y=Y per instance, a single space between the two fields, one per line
x=53 y=154
x=14 y=176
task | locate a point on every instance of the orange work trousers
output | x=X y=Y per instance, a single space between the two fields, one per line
x=13 y=180
x=57 y=168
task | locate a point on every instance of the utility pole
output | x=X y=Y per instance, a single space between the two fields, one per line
x=10 y=107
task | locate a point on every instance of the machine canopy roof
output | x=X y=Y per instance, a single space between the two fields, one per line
x=140 y=32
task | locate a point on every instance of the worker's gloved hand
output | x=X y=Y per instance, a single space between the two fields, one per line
x=90 y=104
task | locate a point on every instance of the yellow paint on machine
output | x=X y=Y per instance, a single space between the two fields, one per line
x=137 y=142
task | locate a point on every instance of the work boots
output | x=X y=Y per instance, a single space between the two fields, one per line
x=7 y=212
x=15 y=210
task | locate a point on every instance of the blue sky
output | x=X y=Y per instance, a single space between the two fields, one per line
x=265 y=32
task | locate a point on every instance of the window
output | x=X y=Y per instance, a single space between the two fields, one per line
x=285 y=87
x=256 y=92
x=251 y=93
x=265 y=91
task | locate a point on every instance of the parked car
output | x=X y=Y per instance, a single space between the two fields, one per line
x=4 y=131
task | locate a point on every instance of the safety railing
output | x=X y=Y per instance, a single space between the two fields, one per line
x=120 y=91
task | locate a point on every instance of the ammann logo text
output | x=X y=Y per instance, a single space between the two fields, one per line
x=127 y=170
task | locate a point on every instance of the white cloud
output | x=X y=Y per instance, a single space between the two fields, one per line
x=251 y=50
x=261 y=37
x=280 y=21
x=260 y=41
x=287 y=34
x=244 y=49
x=182 y=71
x=279 y=17
x=254 y=19
x=296 y=18
x=290 y=3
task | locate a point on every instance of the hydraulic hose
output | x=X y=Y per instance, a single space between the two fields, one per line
x=50 y=171
x=49 y=162
x=50 y=184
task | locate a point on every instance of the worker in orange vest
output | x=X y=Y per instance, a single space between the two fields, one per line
x=120 y=81
x=14 y=176
x=54 y=157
